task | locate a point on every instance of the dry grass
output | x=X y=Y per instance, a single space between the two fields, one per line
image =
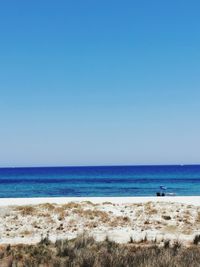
x=47 y=206
x=86 y=252
x=43 y=214
x=102 y=216
x=71 y=205
x=186 y=230
x=26 y=210
x=171 y=229
x=89 y=203
x=119 y=221
x=26 y=232
x=149 y=209
x=187 y=220
x=61 y=212
x=198 y=217
x=107 y=203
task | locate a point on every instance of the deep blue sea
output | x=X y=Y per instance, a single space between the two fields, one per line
x=99 y=181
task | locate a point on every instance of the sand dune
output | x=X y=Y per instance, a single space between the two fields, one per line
x=119 y=219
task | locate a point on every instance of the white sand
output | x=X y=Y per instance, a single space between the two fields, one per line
x=24 y=220
x=190 y=200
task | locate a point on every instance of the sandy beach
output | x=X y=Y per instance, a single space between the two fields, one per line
x=121 y=219
x=191 y=200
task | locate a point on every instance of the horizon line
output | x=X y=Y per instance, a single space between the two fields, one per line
x=106 y=165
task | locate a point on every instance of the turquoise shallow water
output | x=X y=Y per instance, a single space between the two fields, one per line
x=99 y=181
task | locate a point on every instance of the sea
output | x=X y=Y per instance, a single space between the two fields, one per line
x=99 y=181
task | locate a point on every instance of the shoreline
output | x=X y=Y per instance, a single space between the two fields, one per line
x=190 y=200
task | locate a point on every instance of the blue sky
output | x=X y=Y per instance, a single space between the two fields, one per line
x=99 y=82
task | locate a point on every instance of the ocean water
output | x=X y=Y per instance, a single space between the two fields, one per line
x=99 y=181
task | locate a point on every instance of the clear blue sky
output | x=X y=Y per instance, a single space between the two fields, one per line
x=99 y=82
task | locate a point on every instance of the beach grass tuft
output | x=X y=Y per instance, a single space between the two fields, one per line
x=85 y=251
